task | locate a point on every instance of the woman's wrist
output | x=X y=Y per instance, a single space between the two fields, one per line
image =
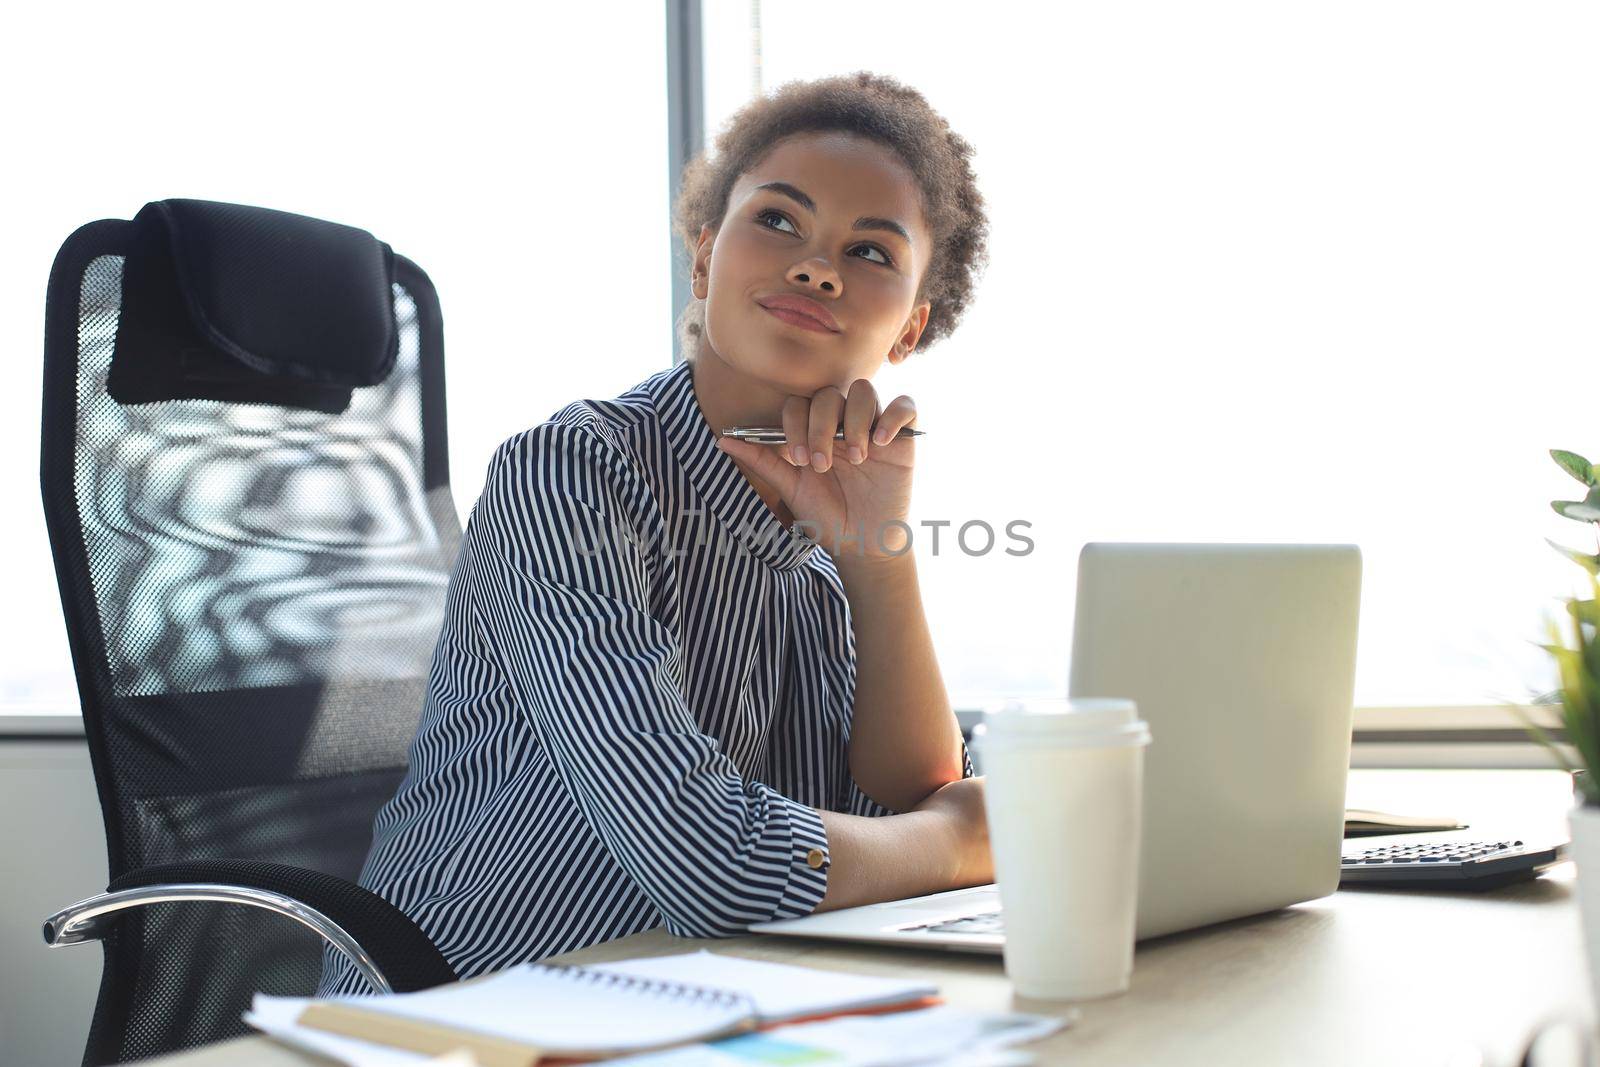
x=868 y=575
x=959 y=833
x=977 y=861
x=946 y=846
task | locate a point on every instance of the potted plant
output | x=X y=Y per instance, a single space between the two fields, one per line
x=1578 y=663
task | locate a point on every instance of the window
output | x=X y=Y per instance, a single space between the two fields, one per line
x=518 y=161
x=1260 y=272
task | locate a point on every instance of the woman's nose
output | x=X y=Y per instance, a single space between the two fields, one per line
x=814 y=272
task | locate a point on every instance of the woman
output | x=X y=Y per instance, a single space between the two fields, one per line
x=652 y=702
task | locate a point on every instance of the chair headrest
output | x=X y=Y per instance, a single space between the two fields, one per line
x=251 y=305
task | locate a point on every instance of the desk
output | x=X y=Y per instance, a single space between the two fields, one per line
x=1360 y=977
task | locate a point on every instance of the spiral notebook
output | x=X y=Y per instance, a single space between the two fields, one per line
x=537 y=1013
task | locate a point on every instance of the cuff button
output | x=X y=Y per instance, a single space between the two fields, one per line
x=814 y=859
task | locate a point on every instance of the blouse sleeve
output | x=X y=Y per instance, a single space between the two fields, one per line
x=565 y=607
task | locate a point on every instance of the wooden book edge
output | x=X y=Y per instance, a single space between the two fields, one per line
x=416 y=1035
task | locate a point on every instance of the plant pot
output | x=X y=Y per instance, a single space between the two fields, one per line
x=1584 y=821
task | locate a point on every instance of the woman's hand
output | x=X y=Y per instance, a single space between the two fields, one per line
x=960 y=805
x=850 y=494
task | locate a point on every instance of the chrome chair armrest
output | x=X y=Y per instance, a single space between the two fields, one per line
x=88 y=920
x=382 y=942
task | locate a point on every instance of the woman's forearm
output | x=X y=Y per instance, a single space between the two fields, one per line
x=888 y=858
x=904 y=741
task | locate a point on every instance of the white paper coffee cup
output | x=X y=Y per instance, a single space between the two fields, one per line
x=1063 y=780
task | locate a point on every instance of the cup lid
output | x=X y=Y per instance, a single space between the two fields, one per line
x=1077 y=719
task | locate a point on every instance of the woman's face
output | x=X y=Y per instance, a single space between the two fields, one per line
x=816 y=219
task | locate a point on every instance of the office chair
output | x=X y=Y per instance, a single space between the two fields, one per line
x=244 y=474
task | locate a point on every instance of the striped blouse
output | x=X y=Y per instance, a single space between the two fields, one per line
x=640 y=695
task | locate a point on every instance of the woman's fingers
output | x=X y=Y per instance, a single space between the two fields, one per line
x=809 y=424
x=900 y=413
x=860 y=408
x=827 y=405
x=764 y=460
x=796 y=425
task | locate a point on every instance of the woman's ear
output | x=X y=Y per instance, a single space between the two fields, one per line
x=700 y=267
x=907 y=341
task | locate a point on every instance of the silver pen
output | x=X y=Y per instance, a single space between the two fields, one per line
x=774 y=435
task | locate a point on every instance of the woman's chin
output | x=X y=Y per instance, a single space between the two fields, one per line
x=792 y=368
x=796 y=371
x=797 y=379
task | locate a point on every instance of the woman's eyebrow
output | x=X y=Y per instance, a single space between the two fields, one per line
x=865 y=222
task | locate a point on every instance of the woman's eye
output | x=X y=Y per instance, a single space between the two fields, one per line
x=769 y=213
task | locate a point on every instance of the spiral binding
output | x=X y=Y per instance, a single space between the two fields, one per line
x=659 y=987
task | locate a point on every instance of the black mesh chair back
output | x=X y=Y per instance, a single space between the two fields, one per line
x=252 y=554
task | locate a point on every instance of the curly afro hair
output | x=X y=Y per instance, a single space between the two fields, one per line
x=872 y=106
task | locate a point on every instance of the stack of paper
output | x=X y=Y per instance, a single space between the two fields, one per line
x=602 y=1010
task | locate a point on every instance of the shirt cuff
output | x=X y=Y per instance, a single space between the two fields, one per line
x=808 y=863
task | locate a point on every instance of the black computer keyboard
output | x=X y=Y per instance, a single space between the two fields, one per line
x=985 y=922
x=1448 y=864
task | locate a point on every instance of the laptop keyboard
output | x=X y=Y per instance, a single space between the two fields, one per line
x=1466 y=864
x=988 y=922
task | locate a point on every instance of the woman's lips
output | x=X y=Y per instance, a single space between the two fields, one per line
x=794 y=318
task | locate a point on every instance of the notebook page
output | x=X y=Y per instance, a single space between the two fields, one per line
x=561 y=1010
x=780 y=991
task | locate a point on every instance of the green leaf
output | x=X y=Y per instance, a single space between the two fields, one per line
x=1584 y=610
x=1582 y=718
x=1581 y=511
x=1582 y=559
x=1580 y=691
x=1575 y=465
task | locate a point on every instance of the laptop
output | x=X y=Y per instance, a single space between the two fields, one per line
x=1241 y=657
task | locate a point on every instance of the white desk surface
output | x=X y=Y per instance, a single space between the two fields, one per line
x=1360 y=977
